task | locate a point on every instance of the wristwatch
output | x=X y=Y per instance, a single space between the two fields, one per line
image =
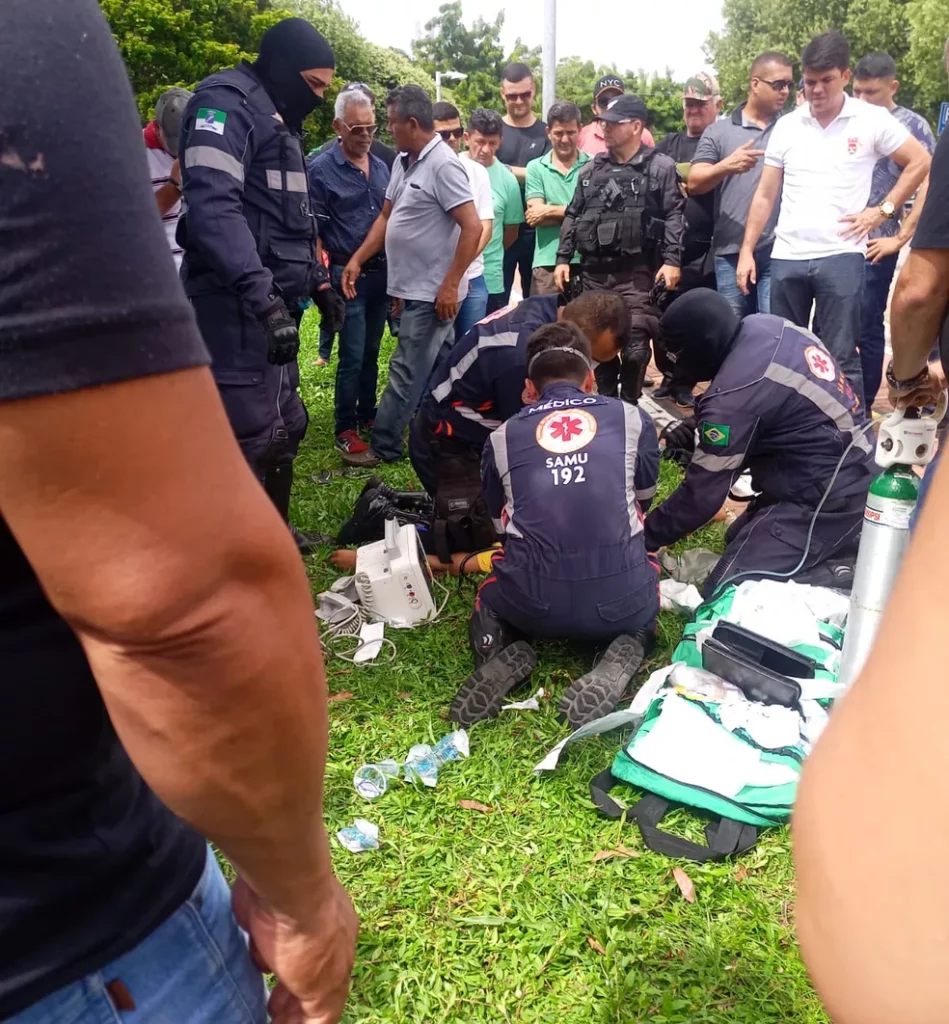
x=910 y=384
x=887 y=209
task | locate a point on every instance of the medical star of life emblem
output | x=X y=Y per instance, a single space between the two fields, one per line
x=820 y=363
x=565 y=431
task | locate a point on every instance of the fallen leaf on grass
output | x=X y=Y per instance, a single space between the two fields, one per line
x=344 y=695
x=405 y=696
x=685 y=885
x=741 y=874
x=595 y=946
x=620 y=851
x=473 y=805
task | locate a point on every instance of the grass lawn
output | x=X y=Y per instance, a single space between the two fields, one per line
x=471 y=916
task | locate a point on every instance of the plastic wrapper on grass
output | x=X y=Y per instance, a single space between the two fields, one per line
x=362 y=835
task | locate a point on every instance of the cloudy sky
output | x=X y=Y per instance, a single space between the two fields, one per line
x=633 y=35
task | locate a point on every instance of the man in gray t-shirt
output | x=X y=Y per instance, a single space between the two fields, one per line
x=728 y=160
x=431 y=231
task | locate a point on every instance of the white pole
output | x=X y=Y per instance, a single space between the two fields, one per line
x=550 y=55
x=438 y=87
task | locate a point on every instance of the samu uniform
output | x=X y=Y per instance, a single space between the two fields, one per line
x=249 y=237
x=778 y=406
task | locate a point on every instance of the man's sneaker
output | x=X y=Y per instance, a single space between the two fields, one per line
x=684 y=398
x=308 y=543
x=597 y=693
x=364 y=457
x=350 y=442
x=484 y=690
x=664 y=390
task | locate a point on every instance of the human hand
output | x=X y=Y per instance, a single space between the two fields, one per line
x=746 y=271
x=670 y=275
x=535 y=214
x=332 y=308
x=861 y=224
x=175 y=173
x=880 y=248
x=925 y=394
x=561 y=276
x=312 y=958
x=446 y=301
x=395 y=306
x=743 y=159
x=351 y=272
x=280 y=329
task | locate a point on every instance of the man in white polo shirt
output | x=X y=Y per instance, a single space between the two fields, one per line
x=820 y=161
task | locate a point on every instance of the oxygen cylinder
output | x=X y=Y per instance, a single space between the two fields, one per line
x=905 y=440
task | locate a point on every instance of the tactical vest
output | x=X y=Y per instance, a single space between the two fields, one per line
x=620 y=214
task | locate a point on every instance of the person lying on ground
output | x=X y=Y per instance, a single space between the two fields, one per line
x=565 y=481
x=778 y=405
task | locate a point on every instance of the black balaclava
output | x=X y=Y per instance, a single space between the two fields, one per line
x=289 y=47
x=699 y=328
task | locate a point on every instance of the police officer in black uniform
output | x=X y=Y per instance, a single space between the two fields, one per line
x=627 y=221
x=249 y=239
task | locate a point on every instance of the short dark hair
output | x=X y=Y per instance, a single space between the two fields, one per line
x=875 y=65
x=412 y=101
x=443 y=111
x=829 y=51
x=596 y=312
x=487 y=122
x=557 y=365
x=770 y=57
x=563 y=112
x=516 y=72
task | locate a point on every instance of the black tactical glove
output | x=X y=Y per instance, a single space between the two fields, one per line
x=679 y=441
x=283 y=340
x=332 y=307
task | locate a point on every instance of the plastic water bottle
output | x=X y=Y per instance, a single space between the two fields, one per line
x=423 y=761
x=362 y=835
x=372 y=780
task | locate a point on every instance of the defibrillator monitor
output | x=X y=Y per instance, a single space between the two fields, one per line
x=393 y=577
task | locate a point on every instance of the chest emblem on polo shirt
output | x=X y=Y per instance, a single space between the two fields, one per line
x=568 y=431
x=820 y=363
x=853 y=144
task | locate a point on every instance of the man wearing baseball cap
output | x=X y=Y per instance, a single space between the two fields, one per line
x=591 y=139
x=161 y=149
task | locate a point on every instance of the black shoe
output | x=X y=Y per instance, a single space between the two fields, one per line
x=683 y=398
x=484 y=690
x=597 y=693
x=664 y=390
x=307 y=543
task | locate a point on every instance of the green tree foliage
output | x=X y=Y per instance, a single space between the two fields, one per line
x=912 y=31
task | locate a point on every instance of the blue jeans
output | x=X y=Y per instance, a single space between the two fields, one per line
x=421 y=335
x=835 y=285
x=357 y=373
x=326 y=343
x=473 y=308
x=758 y=299
x=876 y=291
x=194 y=968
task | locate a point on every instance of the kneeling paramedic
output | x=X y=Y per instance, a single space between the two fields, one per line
x=249 y=241
x=478 y=384
x=778 y=406
x=564 y=480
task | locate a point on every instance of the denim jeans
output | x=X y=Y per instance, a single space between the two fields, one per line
x=876 y=291
x=194 y=968
x=835 y=285
x=421 y=335
x=326 y=343
x=758 y=299
x=519 y=259
x=357 y=372
x=473 y=308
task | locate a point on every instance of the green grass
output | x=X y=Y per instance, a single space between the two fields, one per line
x=472 y=917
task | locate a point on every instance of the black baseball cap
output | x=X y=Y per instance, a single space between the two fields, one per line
x=625 y=108
x=608 y=82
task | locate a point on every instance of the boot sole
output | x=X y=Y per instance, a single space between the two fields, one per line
x=485 y=689
x=598 y=692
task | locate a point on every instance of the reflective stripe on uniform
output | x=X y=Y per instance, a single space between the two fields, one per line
x=505 y=339
x=716 y=463
x=476 y=417
x=217 y=159
x=645 y=493
x=634 y=426
x=814 y=393
x=296 y=181
x=502 y=464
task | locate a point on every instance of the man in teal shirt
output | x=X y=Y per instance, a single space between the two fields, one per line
x=482 y=139
x=551 y=180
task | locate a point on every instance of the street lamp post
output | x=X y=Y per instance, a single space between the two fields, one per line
x=549 y=55
x=449 y=76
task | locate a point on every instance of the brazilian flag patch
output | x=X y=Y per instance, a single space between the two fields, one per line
x=716 y=434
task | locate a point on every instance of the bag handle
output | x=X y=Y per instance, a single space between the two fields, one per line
x=726 y=837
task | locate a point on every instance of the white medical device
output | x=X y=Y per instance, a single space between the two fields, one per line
x=393 y=577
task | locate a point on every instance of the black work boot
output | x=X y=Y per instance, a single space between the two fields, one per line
x=278 y=483
x=374 y=506
x=484 y=690
x=598 y=692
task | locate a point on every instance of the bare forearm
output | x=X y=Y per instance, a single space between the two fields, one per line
x=374 y=241
x=919 y=305
x=758 y=214
x=704 y=177
x=166 y=197
x=519 y=172
x=911 y=178
x=465 y=250
x=909 y=222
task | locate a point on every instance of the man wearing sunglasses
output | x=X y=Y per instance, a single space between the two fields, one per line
x=727 y=165
x=348 y=187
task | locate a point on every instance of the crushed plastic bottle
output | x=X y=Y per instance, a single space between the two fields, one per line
x=423 y=761
x=372 y=780
x=362 y=835
x=452 y=747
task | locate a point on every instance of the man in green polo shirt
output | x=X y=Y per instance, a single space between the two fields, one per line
x=550 y=183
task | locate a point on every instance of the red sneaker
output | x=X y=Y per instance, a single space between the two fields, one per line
x=350 y=442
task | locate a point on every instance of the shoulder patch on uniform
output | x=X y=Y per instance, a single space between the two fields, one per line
x=820 y=363
x=210 y=120
x=716 y=434
x=566 y=430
